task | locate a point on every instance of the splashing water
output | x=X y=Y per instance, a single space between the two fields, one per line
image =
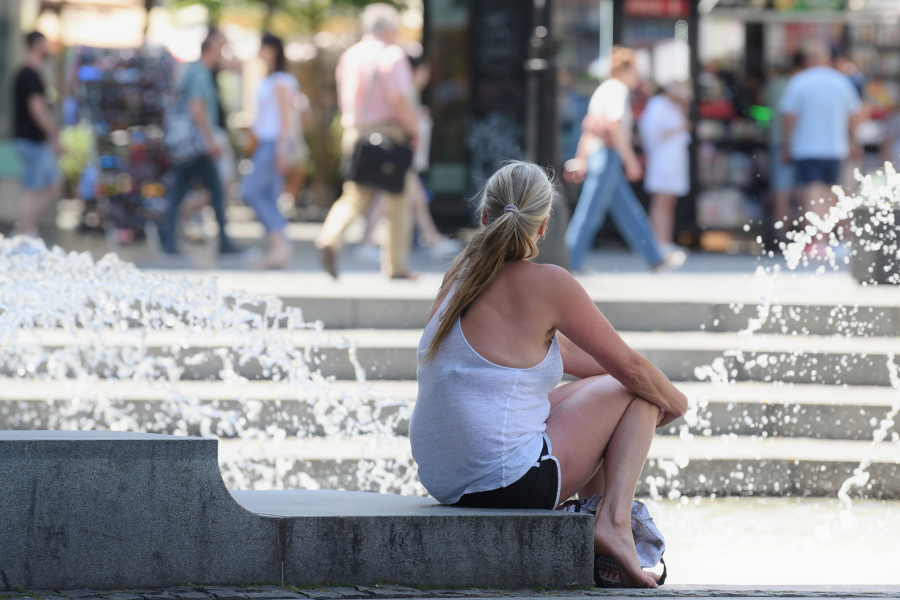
x=112 y=337
x=873 y=230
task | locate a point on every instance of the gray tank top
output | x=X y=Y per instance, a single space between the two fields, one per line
x=477 y=426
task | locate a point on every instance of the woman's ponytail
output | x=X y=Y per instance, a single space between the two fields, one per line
x=512 y=204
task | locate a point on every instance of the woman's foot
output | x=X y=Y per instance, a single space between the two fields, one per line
x=617 y=542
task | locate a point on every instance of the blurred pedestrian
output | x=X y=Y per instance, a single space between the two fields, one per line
x=781 y=172
x=439 y=247
x=200 y=89
x=375 y=87
x=276 y=142
x=606 y=162
x=821 y=109
x=666 y=138
x=35 y=138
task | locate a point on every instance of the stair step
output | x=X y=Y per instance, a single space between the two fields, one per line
x=720 y=302
x=745 y=408
x=391 y=353
x=722 y=465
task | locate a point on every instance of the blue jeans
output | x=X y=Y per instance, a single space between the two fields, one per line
x=38 y=164
x=262 y=186
x=205 y=170
x=606 y=190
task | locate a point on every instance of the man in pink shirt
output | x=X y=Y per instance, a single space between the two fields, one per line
x=375 y=93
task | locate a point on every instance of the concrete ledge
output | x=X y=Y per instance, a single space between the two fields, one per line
x=364 y=538
x=111 y=510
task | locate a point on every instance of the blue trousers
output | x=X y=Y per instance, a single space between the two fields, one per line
x=262 y=186
x=205 y=170
x=606 y=190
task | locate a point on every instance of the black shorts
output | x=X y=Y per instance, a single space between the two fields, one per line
x=537 y=488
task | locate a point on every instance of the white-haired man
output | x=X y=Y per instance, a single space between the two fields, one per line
x=375 y=92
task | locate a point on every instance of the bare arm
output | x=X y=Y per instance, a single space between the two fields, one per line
x=578 y=319
x=788 y=125
x=40 y=113
x=576 y=361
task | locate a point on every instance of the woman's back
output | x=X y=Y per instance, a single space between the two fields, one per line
x=480 y=415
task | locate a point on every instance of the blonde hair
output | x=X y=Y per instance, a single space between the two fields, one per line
x=515 y=200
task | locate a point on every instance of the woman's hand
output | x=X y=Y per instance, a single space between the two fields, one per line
x=281 y=163
x=665 y=417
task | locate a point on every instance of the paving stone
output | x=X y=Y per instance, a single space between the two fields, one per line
x=348 y=592
x=391 y=592
x=179 y=589
x=270 y=594
x=82 y=593
x=122 y=597
x=225 y=594
x=154 y=595
x=320 y=594
x=192 y=595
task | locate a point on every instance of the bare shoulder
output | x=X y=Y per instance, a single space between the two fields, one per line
x=540 y=280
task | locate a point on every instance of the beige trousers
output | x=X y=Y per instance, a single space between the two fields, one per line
x=355 y=200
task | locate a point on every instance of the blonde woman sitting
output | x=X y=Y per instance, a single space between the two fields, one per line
x=492 y=427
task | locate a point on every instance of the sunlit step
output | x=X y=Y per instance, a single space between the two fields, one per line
x=722 y=465
x=195 y=407
x=391 y=353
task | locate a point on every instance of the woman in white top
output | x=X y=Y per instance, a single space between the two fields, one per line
x=666 y=138
x=274 y=131
x=490 y=427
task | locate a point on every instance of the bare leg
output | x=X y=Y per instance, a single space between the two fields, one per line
x=376 y=211
x=32 y=206
x=813 y=194
x=626 y=454
x=662 y=216
x=429 y=232
x=599 y=419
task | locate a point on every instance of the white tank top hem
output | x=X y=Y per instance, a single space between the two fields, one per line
x=478 y=426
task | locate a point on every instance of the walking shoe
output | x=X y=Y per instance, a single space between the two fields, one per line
x=670 y=261
x=328 y=258
x=175 y=260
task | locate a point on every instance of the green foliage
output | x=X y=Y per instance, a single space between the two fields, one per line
x=76 y=142
x=307 y=15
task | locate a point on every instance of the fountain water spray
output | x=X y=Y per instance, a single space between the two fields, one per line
x=110 y=335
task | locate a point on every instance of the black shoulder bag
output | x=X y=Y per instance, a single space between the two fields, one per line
x=378 y=161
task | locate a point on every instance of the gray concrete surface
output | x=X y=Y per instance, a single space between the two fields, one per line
x=337 y=537
x=106 y=509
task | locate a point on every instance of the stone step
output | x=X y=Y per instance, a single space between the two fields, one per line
x=202 y=408
x=721 y=302
x=701 y=466
x=391 y=354
x=113 y=510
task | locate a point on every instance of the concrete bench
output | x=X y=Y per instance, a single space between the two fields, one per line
x=111 y=510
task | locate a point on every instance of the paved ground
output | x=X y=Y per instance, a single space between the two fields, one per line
x=272 y=592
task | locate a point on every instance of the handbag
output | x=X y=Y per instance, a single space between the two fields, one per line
x=182 y=138
x=648 y=540
x=377 y=161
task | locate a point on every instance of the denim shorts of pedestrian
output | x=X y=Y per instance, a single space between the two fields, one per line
x=38 y=164
x=817 y=170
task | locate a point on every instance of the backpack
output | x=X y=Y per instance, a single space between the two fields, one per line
x=648 y=540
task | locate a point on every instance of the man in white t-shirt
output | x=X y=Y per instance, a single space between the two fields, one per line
x=605 y=158
x=821 y=107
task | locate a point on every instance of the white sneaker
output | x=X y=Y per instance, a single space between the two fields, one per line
x=670 y=261
x=445 y=248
